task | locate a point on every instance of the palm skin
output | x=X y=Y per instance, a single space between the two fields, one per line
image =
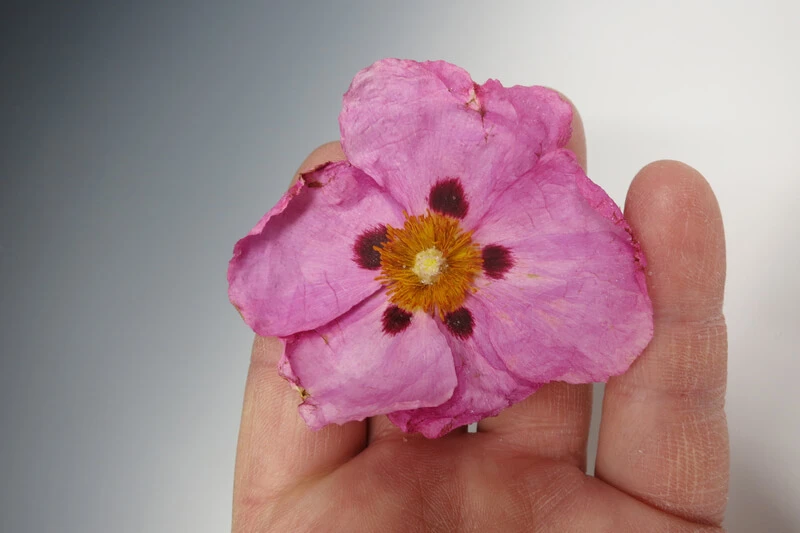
x=662 y=458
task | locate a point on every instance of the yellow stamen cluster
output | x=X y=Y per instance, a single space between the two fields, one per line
x=429 y=264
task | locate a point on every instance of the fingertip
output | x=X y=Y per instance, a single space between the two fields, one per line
x=676 y=218
x=330 y=151
x=670 y=181
x=577 y=140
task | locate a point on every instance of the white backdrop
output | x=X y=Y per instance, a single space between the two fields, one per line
x=140 y=141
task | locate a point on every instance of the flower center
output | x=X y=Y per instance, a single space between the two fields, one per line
x=430 y=264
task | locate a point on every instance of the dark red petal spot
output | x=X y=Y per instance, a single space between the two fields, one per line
x=459 y=322
x=447 y=197
x=395 y=320
x=497 y=260
x=365 y=253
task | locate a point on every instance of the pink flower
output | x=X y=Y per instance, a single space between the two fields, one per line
x=456 y=261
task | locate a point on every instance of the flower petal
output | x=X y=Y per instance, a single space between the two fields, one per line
x=574 y=305
x=485 y=387
x=352 y=369
x=296 y=270
x=412 y=125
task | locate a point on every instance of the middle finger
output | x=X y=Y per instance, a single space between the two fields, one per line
x=554 y=421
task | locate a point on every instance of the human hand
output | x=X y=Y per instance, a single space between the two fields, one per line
x=662 y=458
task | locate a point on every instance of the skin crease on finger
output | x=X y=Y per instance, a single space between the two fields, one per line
x=291 y=479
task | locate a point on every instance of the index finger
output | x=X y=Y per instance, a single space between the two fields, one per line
x=276 y=450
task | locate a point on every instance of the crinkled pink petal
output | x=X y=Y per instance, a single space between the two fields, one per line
x=574 y=305
x=295 y=270
x=410 y=125
x=485 y=387
x=351 y=369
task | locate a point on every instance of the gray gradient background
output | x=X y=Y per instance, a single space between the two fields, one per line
x=140 y=140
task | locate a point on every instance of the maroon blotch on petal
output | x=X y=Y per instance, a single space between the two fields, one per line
x=447 y=197
x=365 y=253
x=395 y=320
x=459 y=322
x=497 y=260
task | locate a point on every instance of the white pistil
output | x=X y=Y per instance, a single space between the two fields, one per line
x=428 y=264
